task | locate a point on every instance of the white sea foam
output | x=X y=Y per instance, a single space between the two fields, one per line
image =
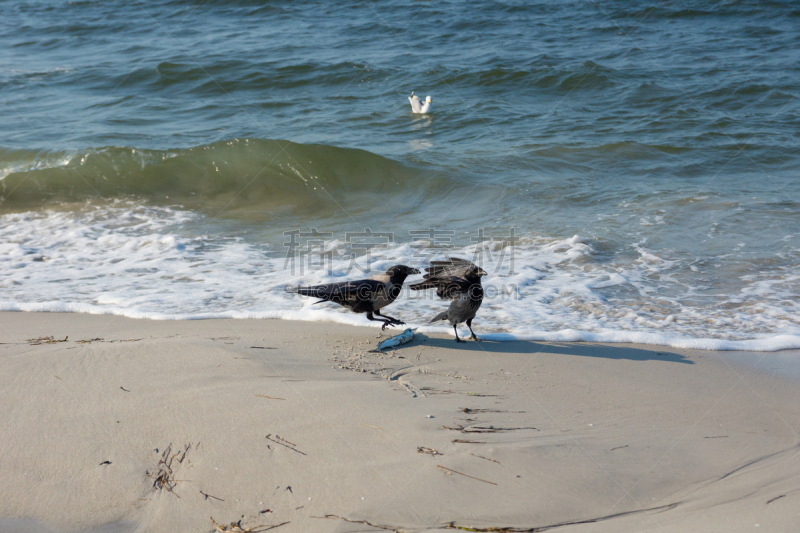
x=152 y=263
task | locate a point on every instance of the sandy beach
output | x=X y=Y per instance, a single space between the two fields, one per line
x=115 y=424
x=205 y=205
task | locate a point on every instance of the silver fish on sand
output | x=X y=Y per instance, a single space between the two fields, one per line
x=397 y=340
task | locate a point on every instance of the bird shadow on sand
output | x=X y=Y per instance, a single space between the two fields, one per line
x=578 y=349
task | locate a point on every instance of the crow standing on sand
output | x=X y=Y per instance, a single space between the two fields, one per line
x=459 y=281
x=365 y=295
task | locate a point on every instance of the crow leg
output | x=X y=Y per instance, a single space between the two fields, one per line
x=385 y=322
x=394 y=320
x=469 y=325
x=456 y=330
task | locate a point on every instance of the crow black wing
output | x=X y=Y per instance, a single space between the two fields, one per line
x=449 y=287
x=345 y=291
x=364 y=289
x=452 y=267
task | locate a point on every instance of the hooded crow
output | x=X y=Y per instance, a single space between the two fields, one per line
x=459 y=281
x=366 y=295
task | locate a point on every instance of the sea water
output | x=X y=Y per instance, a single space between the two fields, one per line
x=623 y=171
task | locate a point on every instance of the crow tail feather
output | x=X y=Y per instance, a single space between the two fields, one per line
x=440 y=316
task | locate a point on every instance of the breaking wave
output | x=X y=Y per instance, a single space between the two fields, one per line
x=272 y=174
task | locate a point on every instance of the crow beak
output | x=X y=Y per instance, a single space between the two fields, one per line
x=415 y=271
x=481 y=272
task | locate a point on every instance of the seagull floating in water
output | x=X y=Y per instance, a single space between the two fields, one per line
x=417 y=105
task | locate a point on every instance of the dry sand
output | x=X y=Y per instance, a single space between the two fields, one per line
x=295 y=423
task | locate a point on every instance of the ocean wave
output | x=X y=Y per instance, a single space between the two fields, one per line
x=235 y=173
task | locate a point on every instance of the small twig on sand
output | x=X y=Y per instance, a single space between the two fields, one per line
x=449 y=472
x=429 y=451
x=207 y=496
x=164 y=477
x=367 y=522
x=236 y=527
x=269 y=397
x=45 y=340
x=482 y=457
x=469 y=411
x=461 y=441
x=185 y=449
x=284 y=442
x=538 y=529
x=484 y=429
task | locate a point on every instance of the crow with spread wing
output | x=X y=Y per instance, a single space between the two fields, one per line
x=459 y=281
x=366 y=295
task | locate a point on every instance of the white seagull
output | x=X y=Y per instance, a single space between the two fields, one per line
x=417 y=106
